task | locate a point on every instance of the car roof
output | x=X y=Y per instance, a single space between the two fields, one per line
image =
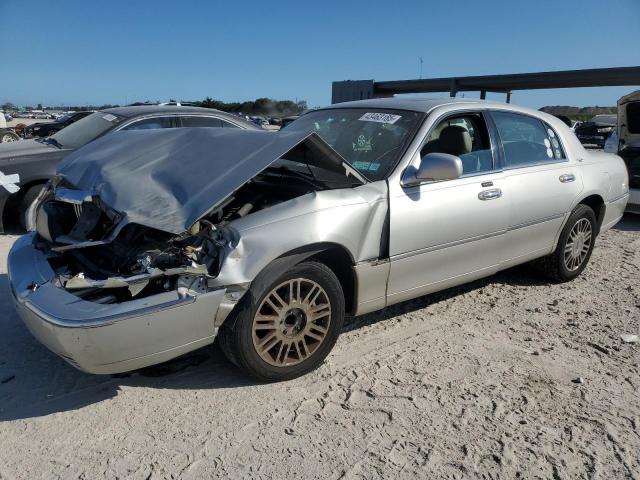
x=426 y=105
x=142 y=110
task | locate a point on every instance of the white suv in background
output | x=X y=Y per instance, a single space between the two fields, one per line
x=6 y=134
x=625 y=141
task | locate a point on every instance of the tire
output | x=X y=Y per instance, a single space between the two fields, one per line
x=7 y=136
x=27 y=199
x=574 y=246
x=281 y=344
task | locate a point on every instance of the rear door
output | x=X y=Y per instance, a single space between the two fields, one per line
x=539 y=180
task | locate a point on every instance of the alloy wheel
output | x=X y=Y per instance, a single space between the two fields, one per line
x=291 y=322
x=578 y=244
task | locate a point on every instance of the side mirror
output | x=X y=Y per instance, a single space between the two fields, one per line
x=434 y=167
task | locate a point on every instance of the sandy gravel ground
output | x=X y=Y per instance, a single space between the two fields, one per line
x=474 y=382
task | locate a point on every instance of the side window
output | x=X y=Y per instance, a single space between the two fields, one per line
x=229 y=125
x=526 y=140
x=465 y=136
x=152 y=123
x=201 y=122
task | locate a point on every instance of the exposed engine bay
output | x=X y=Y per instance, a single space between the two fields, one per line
x=98 y=261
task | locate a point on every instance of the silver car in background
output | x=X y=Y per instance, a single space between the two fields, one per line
x=151 y=244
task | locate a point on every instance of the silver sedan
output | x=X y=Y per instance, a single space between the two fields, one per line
x=150 y=244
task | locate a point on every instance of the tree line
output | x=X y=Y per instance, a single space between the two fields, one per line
x=260 y=106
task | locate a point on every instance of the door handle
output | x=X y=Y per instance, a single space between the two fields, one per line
x=567 y=177
x=490 y=194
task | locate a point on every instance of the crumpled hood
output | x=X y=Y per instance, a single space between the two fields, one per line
x=168 y=179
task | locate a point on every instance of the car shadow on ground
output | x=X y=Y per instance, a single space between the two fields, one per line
x=629 y=223
x=34 y=382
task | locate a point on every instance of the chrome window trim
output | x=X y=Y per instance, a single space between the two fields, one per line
x=165 y=115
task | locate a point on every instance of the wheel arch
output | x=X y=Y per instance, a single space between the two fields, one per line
x=11 y=204
x=335 y=256
x=592 y=200
x=596 y=203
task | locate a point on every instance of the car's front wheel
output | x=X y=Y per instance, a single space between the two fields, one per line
x=286 y=326
x=574 y=246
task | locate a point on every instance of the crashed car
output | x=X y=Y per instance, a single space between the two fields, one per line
x=596 y=131
x=150 y=244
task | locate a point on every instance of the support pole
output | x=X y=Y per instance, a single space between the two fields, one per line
x=509 y=96
x=453 y=89
x=483 y=94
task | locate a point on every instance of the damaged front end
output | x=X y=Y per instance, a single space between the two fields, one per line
x=110 y=296
x=99 y=258
x=122 y=266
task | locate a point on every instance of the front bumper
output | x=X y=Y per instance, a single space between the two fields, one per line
x=111 y=338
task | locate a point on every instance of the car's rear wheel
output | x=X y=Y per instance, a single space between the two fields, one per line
x=574 y=246
x=286 y=326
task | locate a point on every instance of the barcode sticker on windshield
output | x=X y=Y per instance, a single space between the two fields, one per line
x=380 y=117
x=109 y=118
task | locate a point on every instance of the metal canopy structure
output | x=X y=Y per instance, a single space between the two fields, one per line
x=344 y=91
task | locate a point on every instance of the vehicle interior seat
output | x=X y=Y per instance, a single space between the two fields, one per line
x=455 y=140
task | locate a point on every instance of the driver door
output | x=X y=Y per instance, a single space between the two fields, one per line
x=449 y=232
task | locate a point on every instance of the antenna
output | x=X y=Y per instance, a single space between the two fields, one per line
x=421 y=62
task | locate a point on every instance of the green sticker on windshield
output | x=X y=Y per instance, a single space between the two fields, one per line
x=362 y=144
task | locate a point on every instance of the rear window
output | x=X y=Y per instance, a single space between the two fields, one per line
x=633 y=117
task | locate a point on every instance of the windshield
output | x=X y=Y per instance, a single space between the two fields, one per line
x=64 y=117
x=371 y=140
x=86 y=129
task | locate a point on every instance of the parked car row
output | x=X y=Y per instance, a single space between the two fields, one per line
x=7 y=134
x=40 y=114
x=149 y=244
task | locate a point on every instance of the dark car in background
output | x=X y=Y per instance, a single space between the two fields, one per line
x=597 y=130
x=49 y=128
x=287 y=120
x=260 y=121
x=25 y=166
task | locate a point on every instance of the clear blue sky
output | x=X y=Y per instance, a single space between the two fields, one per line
x=115 y=51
